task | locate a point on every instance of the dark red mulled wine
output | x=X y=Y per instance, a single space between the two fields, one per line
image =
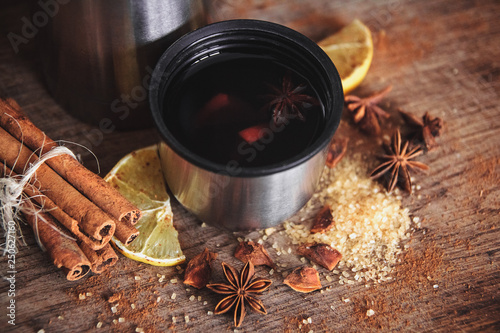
x=248 y=109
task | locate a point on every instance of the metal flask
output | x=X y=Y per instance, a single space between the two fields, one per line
x=224 y=195
x=98 y=55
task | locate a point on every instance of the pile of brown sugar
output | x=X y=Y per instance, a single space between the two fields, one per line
x=370 y=224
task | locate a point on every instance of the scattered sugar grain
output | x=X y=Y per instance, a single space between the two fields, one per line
x=269 y=231
x=99 y=324
x=205 y=302
x=81 y=296
x=173 y=281
x=139 y=330
x=192 y=298
x=370 y=312
x=210 y=313
x=121 y=320
x=186 y=319
x=174 y=295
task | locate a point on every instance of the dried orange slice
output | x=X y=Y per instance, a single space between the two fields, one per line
x=138 y=177
x=351 y=50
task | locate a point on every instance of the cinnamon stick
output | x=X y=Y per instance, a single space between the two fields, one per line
x=57 y=213
x=64 y=251
x=92 y=221
x=91 y=185
x=101 y=259
x=126 y=232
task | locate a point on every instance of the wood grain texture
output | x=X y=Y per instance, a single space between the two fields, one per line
x=440 y=56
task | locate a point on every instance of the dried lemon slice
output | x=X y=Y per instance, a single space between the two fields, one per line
x=138 y=177
x=351 y=50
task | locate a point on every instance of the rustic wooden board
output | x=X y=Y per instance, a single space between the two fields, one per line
x=441 y=57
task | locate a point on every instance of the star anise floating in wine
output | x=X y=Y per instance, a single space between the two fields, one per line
x=425 y=129
x=288 y=101
x=241 y=290
x=366 y=112
x=398 y=161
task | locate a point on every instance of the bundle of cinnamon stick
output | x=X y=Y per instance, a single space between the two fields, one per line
x=73 y=211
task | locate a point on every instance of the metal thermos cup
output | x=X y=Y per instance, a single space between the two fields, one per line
x=243 y=198
x=98 y=55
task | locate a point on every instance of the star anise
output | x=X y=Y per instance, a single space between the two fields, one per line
x=288 y=101
x=241 y=290
x=398 y=162
x=366 y=111
x=426 y=129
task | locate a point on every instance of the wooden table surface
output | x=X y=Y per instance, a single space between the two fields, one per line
x=440 y=56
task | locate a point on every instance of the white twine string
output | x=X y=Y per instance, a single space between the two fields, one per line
x=11 y=189
x=82 y=146
x=11 y=193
